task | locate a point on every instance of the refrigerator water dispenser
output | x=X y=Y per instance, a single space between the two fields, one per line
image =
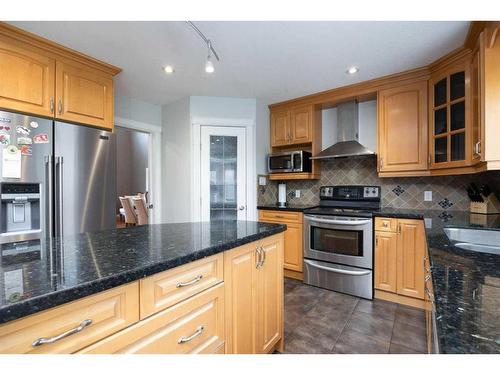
x=20 y=208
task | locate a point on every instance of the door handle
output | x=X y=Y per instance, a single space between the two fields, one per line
x=336 y=270
x=49 y=199
x=60 y=211
x=241 y=208
x=341 y=222
x=50 y=340
x=191 y=282
x=196 y=333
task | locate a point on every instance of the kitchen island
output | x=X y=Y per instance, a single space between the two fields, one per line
x=138 y=280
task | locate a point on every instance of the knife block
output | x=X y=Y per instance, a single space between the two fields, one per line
x=491 y=205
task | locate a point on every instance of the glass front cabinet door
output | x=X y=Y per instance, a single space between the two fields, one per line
x=450 y=122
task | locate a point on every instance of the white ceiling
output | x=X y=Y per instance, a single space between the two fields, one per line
x=272 y=61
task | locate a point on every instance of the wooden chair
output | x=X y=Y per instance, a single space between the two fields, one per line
x=130 y=216
x=141 y=210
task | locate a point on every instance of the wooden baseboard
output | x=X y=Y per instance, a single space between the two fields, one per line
x=402 y=300
x=294 y=275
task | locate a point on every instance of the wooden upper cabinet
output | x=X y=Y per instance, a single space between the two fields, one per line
x=40 y=77
x=450 y=125
x=83 y=95
x=280 y=128
x=27 y=78
x=301 y=120
x=410 y=258
x=292 y=127
x=402 y=128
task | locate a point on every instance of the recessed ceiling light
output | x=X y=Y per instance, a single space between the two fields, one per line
x=352 y=70
x=168 y=69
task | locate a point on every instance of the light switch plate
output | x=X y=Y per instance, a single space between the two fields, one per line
x=262 y=180
x=428 y=196
x=297 y=193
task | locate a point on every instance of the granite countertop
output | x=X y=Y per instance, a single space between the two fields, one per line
x=43 y=276
x=291 y=207
x=466 y=283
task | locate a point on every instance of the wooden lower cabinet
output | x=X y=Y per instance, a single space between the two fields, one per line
x=385 y=261
x=410 y=257
x=193 y=326
x=236 y=306
x=167 y=288
x=108 y=312
x=254 y=296
x=293 y=240
x=399 y=261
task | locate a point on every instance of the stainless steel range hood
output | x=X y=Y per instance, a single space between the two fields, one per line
x=347 y=135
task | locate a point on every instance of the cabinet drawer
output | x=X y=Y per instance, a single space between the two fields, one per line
x=281 y=216
x=195 y=325
x=385 y=224
x=170 y=287
x=109 y=311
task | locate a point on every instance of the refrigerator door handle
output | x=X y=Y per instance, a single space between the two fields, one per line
x=59 y=196
x=50 y=197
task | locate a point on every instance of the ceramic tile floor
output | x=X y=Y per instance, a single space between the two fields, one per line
x=323 y=321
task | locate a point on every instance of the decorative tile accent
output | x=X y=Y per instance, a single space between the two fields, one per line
x=363 y=171
x=398 y=190
x=445 y=203
x=445 y=216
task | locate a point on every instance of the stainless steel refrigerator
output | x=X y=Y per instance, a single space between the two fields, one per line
x=55 y=179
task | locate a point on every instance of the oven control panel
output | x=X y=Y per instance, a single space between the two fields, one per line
x=371 y=192
x=350 y=192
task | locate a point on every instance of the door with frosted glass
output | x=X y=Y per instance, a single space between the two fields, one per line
x=223 y=173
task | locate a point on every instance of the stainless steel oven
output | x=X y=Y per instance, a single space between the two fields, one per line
x=338 y=253
x=338 y=239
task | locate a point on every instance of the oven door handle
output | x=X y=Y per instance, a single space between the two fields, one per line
x=337 y=270
x=340 y=222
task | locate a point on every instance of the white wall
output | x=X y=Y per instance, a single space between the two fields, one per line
x=367 y=116
x=208 y=110
x=176 y=150
x=178 y=120
x=262 y=137
x=137 y=110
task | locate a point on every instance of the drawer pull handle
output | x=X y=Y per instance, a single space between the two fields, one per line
x=196 y=333
x=51 y=340
x=279 y=216
x=385 y=224
x=187 y=283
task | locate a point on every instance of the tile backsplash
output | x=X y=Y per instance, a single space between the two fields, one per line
x=448 y=192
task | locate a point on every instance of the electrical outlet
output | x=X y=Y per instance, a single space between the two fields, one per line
x=297 y=193
x=428 y=196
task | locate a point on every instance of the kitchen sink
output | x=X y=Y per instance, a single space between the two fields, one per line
x=483 y=241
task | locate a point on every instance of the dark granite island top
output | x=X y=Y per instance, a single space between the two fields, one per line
x=466 y=283
x=41 y=277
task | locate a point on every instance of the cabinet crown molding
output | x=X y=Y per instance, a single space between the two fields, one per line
x=57 y=49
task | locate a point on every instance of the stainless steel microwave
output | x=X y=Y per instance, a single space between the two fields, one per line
x=291 y=161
